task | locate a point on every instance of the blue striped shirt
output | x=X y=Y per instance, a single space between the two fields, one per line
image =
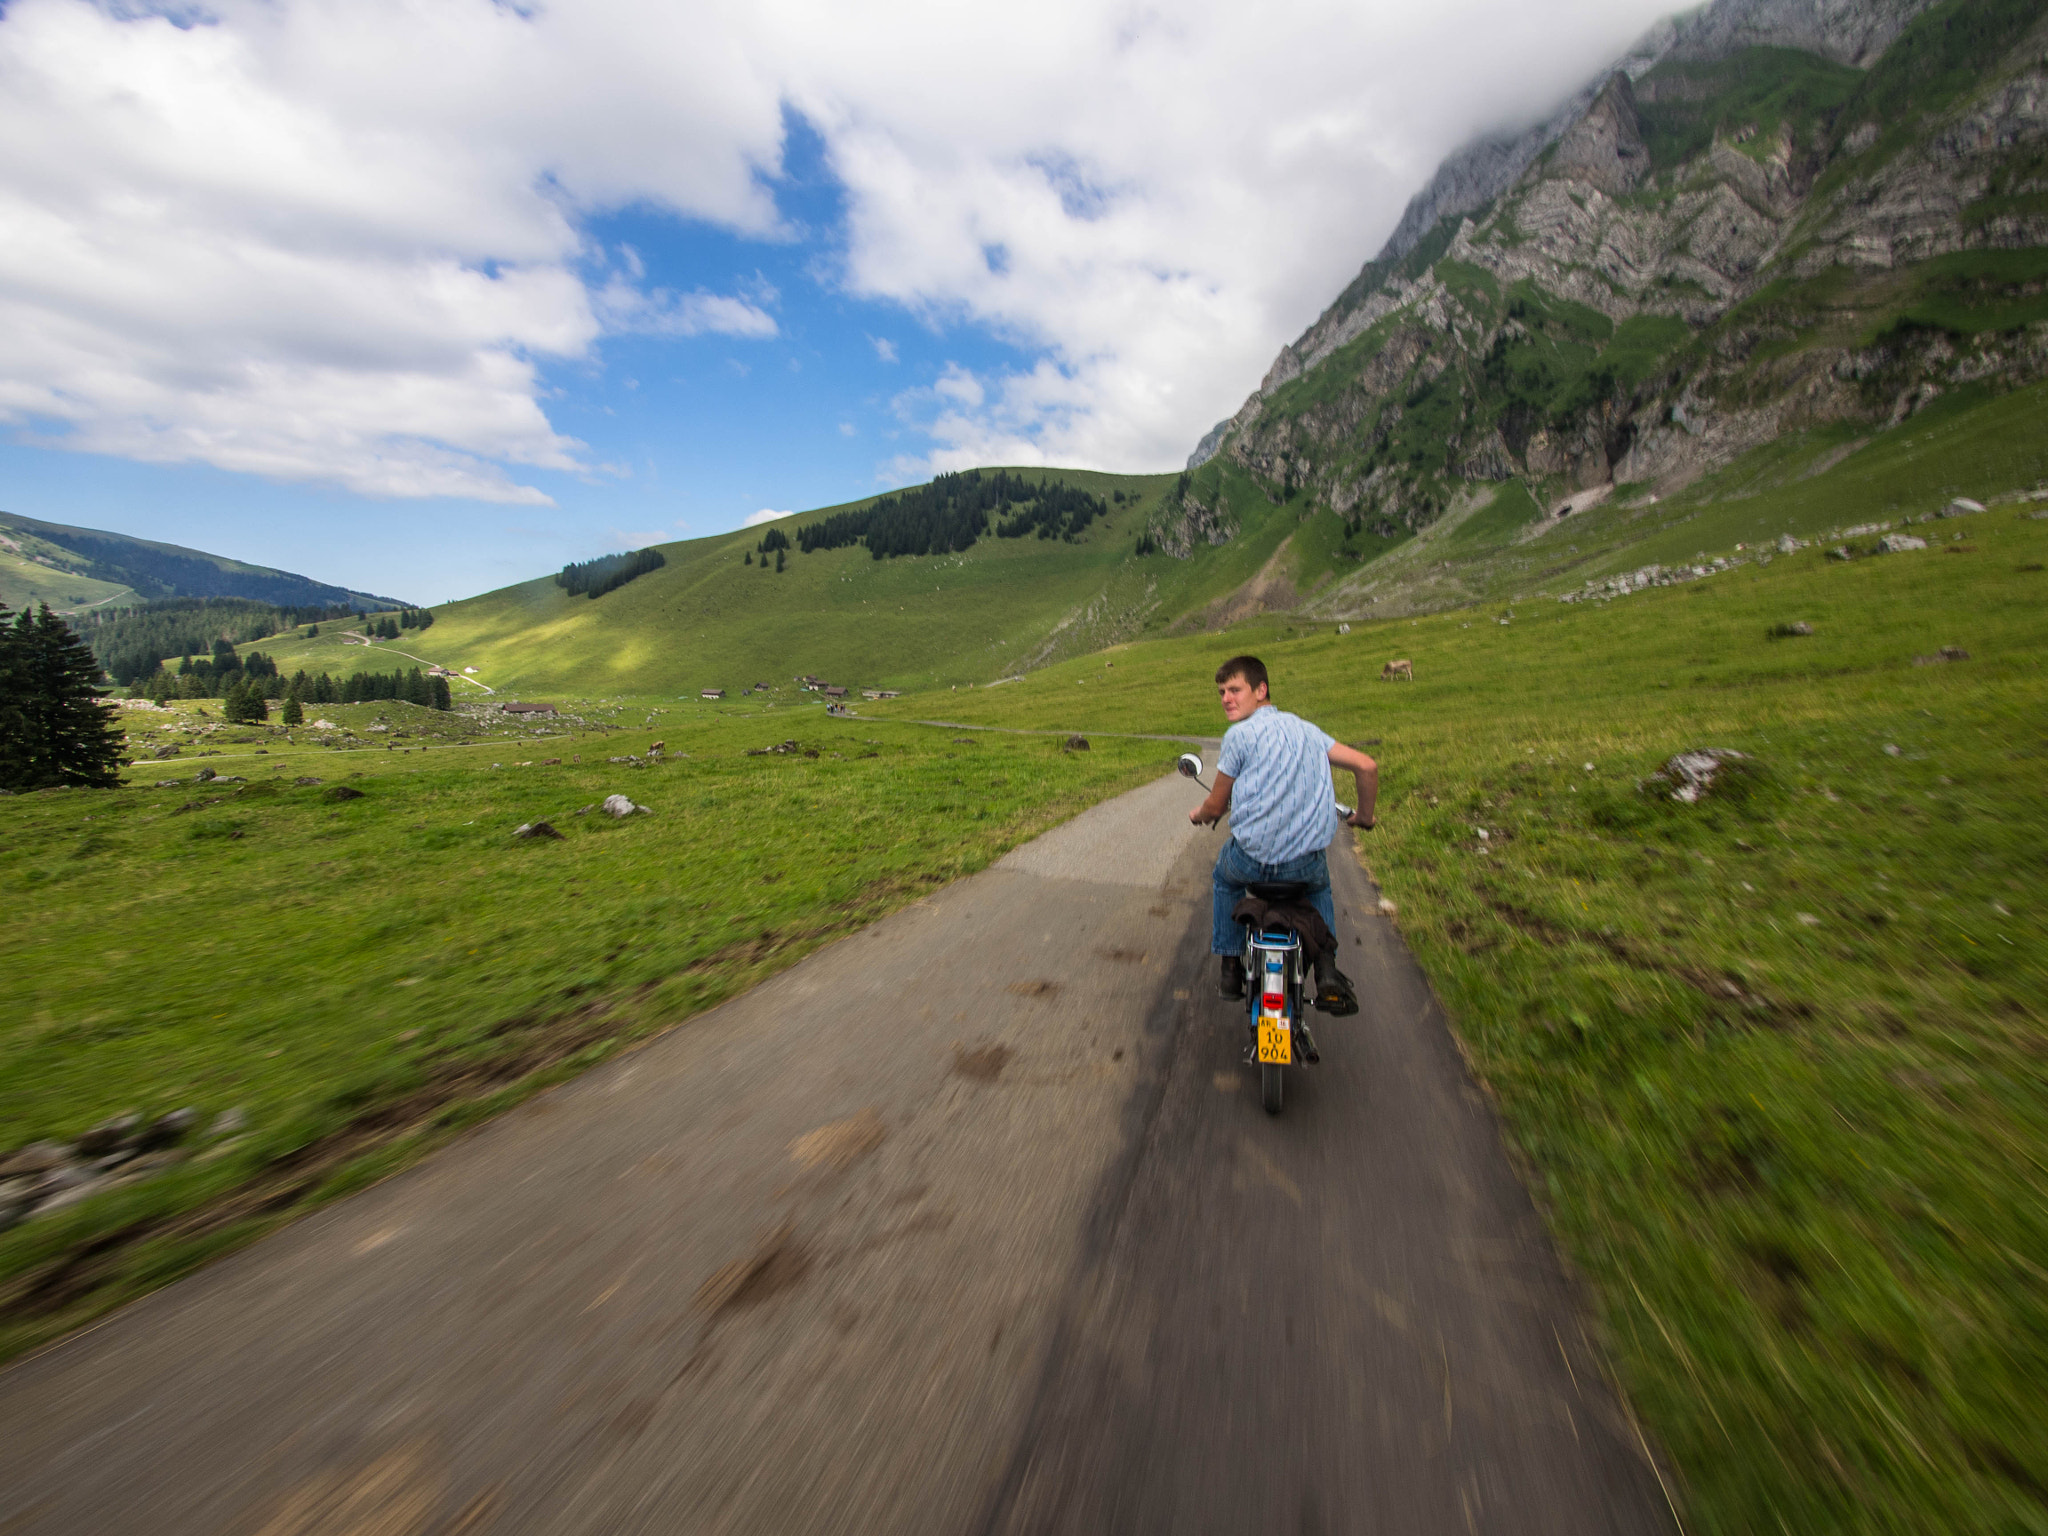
x=1281 y=804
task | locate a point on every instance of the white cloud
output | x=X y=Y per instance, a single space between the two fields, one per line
x=658 y=312
x=339 y=240
x=885 y=349
x=765 y=515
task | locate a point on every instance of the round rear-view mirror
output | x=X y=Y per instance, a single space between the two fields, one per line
x=1190 y=766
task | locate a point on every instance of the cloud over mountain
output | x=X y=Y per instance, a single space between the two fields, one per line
x=343 y=243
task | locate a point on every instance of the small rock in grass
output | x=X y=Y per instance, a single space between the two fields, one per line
x=1787 y=545
x=168 y=1128
x=1840 y=552
x=586 y=810
x=1788 y=631
x=1891 y=749
x=1899 y=544
x=305 y=778
x=1588 y=767
x=1962 y=506
x=620 y=807
x=1387 y=908
x=114 y=1135
x=1808 y=919
x=1946 y=653
x=1077 y=743
x=35 y=1159
x=203 y=775
x=1693 y=773
x=552 y=762
x=229 y=1122
x=1484 y=835
x=536 y=829
x=342 y=792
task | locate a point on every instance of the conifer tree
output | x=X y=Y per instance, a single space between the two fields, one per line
x=294 y=713
x=53 y=728
x=13 y=707
x=442 y=698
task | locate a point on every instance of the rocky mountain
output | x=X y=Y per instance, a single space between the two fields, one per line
x=1771 y=214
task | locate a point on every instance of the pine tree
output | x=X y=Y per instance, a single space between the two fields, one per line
x=53 y=728
x=13 y=706
x=294 y=713
x=442 y=697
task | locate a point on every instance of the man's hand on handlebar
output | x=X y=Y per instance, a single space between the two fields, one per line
x=1363 y=823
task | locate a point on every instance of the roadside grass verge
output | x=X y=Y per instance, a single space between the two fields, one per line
x=1775 y=1062
x=364 y=976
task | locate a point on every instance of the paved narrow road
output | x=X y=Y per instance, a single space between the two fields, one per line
x=969 y=1223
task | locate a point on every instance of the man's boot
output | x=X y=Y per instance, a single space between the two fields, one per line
x=1334 y=992
x=1231 y=986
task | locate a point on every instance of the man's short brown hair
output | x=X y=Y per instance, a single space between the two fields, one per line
x=1250 y=668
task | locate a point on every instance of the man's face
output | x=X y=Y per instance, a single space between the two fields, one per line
x=1239 y=697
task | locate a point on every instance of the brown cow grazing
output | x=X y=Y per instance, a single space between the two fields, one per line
x=1394 y=670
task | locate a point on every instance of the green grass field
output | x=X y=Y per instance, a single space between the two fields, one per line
x=365 y=976
x=1775 y=1062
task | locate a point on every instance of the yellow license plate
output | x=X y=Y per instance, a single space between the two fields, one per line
x=1276 y=1043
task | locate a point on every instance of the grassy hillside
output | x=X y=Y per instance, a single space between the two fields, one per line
x=99 y=565
x=26 y=582
x=709 y=619
x=1778 y=1062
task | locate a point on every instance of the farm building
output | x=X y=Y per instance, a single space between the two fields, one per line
x=528 y=709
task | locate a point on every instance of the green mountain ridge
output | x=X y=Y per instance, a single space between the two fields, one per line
x=74 y=568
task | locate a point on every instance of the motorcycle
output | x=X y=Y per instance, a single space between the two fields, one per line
x=1276 y=981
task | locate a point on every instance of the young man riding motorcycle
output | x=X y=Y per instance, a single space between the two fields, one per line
x=1273 y=777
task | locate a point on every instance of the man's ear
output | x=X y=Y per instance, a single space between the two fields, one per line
x=1261 y=694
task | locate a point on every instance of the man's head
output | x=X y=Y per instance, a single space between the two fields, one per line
x=1241 y=684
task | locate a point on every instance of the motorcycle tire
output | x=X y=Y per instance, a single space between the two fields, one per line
x=1269 y=1087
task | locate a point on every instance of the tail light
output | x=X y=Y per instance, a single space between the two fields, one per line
x=1273 y=1002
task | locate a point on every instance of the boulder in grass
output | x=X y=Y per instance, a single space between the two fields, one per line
x=536 y=829
x=1899 y=544
x=342 y=792
x=1962 y=506
x=620 y=807
x=1077 y=743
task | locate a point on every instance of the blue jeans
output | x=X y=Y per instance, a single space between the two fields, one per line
x=1235 y=869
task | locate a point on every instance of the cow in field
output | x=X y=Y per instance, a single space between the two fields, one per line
x=1395 y=670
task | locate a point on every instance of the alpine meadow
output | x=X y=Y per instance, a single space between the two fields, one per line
x=1664 y=507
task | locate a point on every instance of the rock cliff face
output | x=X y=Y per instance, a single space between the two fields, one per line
x=1772 y=213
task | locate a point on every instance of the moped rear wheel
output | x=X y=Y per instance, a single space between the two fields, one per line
x=1269 y=1087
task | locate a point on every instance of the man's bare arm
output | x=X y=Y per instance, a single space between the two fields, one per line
x=1367 y=773
x=1211 y=810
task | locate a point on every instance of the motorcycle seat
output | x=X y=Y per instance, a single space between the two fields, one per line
x=1275 y=892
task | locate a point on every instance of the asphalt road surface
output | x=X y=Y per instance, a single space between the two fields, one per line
x=969 y=1223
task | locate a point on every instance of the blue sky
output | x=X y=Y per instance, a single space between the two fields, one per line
x=425 y=300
